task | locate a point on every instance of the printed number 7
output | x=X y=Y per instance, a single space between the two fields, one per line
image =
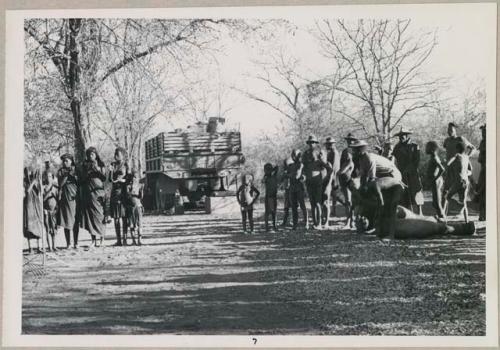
x=254 y=341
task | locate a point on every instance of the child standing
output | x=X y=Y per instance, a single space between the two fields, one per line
x=247 y=194
x=459 y=171
x=50 y=194
x=270 y=181
x=135 y=191
x=435 y=172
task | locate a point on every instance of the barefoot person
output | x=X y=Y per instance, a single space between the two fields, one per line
x=246 y=195
x=32 y=207
x=135 y=191
x=459 y=171
x=297 y=189
x=50 y=196
x=68 y=199
x=435 y=172
x=119 y=171
x=93 y=176
x=270 y=181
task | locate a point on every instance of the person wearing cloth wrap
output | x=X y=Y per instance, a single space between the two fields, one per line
x=379 y=174
x=118 y=175
x=315 y=170
x=93 y=175
x=345 y=174
x=407 y=158
x=68 y=199
x=32 y=207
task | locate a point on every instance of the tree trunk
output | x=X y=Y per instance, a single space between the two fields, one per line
x=73 y=82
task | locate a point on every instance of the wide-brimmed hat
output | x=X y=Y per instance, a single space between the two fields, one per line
x=358 y=143
x=312 y=139
x=329 y=140
x=403 y=131
x=350 y=136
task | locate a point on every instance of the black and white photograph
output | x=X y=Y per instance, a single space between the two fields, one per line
x=289 y=171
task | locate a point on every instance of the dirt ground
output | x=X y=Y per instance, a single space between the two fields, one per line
x=198 y=274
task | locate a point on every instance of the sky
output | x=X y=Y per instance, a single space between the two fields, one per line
x=465 y=41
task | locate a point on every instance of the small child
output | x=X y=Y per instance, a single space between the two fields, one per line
x=435 y=172
x=270 y=181
x=459 y=172
x=135 y=191
x=50 y=195
x=247 y=194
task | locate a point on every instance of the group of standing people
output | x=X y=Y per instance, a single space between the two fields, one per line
x=75 y=197
x=374 y=183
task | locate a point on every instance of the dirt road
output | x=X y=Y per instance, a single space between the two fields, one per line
x=198 y=274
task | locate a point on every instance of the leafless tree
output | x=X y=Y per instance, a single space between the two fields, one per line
x=385 y=61
x=87 y=52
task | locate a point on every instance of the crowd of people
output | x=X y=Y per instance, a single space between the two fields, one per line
x=75 y=197
x=372 y=183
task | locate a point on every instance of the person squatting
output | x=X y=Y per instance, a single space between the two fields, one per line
x=375 y=188
x=74 y=198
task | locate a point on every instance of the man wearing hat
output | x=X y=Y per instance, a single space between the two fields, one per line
x=330 y=182
x=407 y=158
x=378 y=169
x=315 y=169
x=450 y=143
x=481 y=183
x=344 y=175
